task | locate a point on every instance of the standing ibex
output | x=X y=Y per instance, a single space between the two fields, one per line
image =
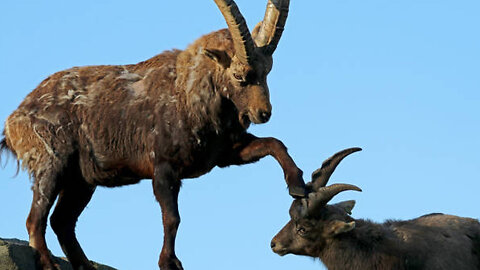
x=328 y=232
x=174 y=116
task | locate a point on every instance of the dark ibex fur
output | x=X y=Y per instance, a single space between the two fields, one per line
x=174 y=116
x=328 y=232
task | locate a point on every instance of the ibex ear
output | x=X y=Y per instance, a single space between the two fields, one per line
x=221 y=57
x=346 y=205
x=337 y=227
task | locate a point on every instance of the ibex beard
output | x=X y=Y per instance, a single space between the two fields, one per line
x=174 y=116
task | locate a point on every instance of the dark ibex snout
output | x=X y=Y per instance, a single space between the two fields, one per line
x=278 y=247
x=273 y=244
x=264 y=116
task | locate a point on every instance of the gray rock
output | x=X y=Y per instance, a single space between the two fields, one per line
x=18 y=255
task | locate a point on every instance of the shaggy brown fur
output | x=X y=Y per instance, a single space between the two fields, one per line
x=174 y=116
x=328 y=232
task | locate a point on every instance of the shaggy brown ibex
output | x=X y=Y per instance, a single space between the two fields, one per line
x=328 y=232
x=174 y=116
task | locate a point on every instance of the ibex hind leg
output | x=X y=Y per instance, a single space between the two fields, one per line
x=45 y=190
x=74 y=197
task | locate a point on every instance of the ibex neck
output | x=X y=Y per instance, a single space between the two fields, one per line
x=368 y=246
x=199 y=86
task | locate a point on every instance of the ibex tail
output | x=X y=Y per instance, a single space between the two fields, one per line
x=4 y=147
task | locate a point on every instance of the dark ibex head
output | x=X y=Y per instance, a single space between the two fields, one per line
x=241 y=60
x=313 y=222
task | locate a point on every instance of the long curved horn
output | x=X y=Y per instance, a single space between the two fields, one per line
x=325 y=194
x=304 y=207
x=272 y=26
x=242 y=39
x=320 y=194
x=321 y=176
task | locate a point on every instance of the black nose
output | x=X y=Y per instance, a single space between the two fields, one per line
x=264 y=116
x=272 y=244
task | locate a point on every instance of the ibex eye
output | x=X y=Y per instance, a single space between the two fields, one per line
x=301 y=230
x=238 y=77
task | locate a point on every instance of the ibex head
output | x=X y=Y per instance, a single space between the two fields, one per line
x=241 y=60
x=313 y=222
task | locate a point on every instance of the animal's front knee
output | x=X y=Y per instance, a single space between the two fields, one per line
x=171 y=221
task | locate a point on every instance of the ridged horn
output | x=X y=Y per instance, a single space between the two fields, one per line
x=242 y=39
x=325 y=194
x=321 y=176
x=302 y=208
x=272 y=26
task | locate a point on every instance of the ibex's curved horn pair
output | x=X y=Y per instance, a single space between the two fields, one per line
x=321 y=194
x=268 y=35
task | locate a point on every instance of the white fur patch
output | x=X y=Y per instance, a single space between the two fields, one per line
x=138 y=89
x=47 y=146
x=130 y=76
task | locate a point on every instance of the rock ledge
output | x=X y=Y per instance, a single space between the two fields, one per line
x=18 y=255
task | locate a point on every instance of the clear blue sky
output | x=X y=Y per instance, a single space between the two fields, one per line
x=401 y=79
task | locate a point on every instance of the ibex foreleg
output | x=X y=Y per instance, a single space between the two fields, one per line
x=166 y=186
x=253 y=148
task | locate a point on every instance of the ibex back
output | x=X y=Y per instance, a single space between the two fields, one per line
x=174 y=116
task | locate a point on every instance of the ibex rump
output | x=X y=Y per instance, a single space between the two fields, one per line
x=174 y=116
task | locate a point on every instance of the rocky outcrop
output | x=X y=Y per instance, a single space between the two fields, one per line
x=18 y=255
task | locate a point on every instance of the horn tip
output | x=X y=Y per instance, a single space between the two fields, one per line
x=356 y=149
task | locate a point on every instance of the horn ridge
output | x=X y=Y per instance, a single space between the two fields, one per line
x=272 y=26
x=242 y=39
x=325 y=194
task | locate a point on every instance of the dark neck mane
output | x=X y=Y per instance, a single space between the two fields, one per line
x=369 y=246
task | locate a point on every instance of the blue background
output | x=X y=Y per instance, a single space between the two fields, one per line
x=401 y=79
